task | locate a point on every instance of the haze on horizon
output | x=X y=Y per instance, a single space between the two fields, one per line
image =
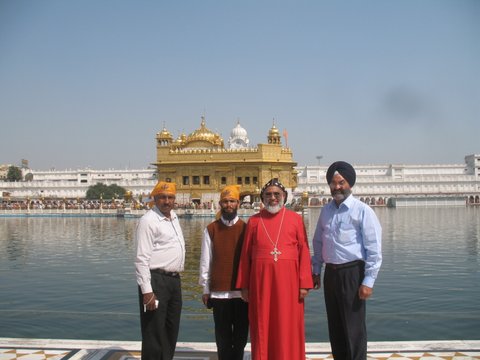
x=89 y=83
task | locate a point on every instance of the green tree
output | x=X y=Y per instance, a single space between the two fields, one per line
x=105 y=192
x=116 y=191
x=14 y=174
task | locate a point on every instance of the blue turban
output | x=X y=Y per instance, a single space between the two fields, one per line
x=344 y=169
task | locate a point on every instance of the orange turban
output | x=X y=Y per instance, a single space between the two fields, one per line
x=230 y=192
x=163 y=187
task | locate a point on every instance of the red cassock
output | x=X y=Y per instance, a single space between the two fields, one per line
x=276 y=314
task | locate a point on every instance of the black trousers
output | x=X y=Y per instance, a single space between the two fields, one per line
x=231 y=327
x=160 y=327
x=346 y=312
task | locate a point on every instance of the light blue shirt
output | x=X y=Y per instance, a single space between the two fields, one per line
x=348 y=233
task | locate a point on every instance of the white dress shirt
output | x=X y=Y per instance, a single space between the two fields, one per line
x=160 y=245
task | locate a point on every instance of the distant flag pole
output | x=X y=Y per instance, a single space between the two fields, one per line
x=285 y=135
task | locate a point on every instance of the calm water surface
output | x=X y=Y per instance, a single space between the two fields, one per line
x=73 y=278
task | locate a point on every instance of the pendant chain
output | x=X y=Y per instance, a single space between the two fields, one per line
x=275 y=251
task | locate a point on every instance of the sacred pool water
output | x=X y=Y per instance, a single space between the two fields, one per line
x=73 y=278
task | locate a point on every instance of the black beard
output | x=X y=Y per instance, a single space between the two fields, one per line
x=229 y=216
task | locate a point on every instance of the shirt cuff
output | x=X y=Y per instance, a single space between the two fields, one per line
x=368 y=281
x=146 y=288
x=316 y=269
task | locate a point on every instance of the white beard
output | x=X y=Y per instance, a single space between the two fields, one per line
x=273 y=209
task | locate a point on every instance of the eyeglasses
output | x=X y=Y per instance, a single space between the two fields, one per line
x=269 y=194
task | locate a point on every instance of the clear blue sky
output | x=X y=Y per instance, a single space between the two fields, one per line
x=90 y=83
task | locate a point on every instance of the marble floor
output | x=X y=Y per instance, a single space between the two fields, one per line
x=39 y=349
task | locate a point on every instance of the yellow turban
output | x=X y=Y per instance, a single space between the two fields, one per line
x=230 y=192
x=163 y=187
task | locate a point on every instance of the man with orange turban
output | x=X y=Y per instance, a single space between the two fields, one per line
x=221 y=247
x=160 y=258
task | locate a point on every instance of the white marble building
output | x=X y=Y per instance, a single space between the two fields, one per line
x=400 y=185
x=397 y=185
x=72 y=184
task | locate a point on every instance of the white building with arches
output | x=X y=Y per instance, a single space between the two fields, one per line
x=74 y=183
x=400 y=185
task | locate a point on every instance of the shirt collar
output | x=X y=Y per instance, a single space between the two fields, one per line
x=345 y=203
x=229 y=222
x=173 y=216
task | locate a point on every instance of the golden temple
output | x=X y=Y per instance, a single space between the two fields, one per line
x=201 y=165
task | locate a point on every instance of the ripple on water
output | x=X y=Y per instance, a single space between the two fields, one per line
x=74 y=278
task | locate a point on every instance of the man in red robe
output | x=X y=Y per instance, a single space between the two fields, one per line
x=275 y=276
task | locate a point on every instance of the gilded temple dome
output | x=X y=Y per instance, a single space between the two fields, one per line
x=203 y=138
x=164 y=134
x=164 y=137
x=238 y=138
x=274 y=131
x=274 y=135
x=180 y=140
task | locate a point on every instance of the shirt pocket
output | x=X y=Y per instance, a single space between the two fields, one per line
x=346 y=233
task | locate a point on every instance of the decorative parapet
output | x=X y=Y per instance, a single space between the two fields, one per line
x=283 y=150
x=211 y=150
x=265 y=153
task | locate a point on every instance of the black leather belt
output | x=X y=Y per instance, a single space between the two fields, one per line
x=168 y=273
x=345 y=265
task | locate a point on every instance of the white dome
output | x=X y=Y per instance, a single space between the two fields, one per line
x=238 y=131
x=238 y=137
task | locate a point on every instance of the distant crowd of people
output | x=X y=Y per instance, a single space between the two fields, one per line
x=83 y=204
x=59 y=204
